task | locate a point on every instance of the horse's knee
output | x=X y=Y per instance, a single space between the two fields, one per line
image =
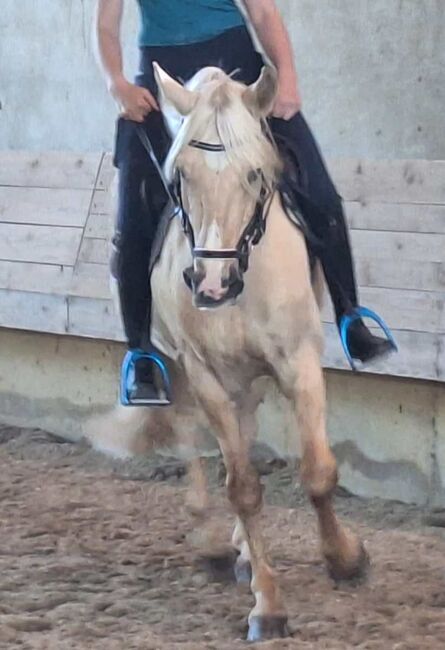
x=245 y=492
x=319 y=476
x=308 y=384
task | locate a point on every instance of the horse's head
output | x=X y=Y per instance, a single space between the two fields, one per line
x=225 y=167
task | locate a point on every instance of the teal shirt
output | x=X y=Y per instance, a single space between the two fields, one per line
x=180 y=22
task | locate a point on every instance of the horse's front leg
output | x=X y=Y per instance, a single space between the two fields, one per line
x=268 y=618
x=215 y=554
x=344 y=553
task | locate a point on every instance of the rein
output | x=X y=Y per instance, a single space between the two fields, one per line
x=251 y=234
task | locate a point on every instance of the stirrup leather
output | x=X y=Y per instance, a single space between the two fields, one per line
x=128 y=374
x=358 y=314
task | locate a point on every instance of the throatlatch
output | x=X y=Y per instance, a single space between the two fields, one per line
x=357 y=314
x=128 y=395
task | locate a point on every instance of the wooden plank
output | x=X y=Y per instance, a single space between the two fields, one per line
x=400 y=274
x=39 y=278
x=396 y=210
x=96 y=251
x=417 y=356
x=404 y=217
x=46 y=244
x=398 y=246
x=417 y=311
x=107 y=173
x=441 y=358
x=102 y=202
x=94 y=318
x=394 y=181
x=55 y=169
x=99 y=226
x=38 y=312
x=442 y=315
x=57 y=207
x=90 y=281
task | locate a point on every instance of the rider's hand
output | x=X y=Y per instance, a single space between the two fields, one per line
x=288 y=99
x=135 y=102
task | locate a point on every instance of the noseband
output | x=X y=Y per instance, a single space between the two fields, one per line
x=251 y=234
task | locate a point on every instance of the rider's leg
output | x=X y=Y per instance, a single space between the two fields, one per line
x=322 y=209
x=141 y=194
x=141 y=200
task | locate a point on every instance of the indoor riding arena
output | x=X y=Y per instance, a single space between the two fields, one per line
x=100 y=546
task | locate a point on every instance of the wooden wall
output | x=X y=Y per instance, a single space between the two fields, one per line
x=55 y=225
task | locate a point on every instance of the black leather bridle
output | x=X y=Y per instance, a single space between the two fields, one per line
x=251 y=234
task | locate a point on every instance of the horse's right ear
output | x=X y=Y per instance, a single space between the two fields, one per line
x=259 y=98
x=172 y=93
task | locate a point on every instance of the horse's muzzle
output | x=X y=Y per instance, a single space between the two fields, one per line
x=227 y=293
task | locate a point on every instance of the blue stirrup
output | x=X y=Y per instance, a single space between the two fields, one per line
x=358 y=314
x=127 y=378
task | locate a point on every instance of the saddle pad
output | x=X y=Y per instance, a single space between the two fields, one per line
x=166 y=218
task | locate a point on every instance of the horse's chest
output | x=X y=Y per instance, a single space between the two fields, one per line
x=225 y=342
x=220 y=338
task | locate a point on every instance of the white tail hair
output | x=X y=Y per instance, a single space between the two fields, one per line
x=125 y=432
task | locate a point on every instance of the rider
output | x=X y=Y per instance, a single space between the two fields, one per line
x=184 y=36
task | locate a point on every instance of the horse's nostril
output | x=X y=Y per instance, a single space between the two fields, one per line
x=193 y=277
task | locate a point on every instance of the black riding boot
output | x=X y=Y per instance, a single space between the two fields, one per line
x=307 y=190
x=144 y=376
x=335 y=256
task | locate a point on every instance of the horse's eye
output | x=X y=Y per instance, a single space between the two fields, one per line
x=252 y=177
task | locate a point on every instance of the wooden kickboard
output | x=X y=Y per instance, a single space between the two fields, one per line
x=56 y=223
x=420 y=355
x=44 y=244
x=44 y=206
x=53 y=169
x=94 y=319
x=38 y=312
x=390 y=181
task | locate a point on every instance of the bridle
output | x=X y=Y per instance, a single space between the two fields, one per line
x=251 y=234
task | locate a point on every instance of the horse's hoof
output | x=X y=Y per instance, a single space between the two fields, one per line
x=168 y=471
x=265 y=628
x=221 y=568
x=355 y=573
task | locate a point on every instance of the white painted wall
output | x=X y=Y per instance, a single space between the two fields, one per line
x=372 y=74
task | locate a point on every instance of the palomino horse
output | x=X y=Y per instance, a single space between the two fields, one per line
x=232 y=326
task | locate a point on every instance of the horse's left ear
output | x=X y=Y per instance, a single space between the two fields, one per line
x=260 y=96
x=173 y=93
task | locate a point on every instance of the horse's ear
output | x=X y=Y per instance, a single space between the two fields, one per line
x=173 y=93
x=259 y=98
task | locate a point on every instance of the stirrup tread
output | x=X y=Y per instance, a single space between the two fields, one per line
x=128 y=366
x=358 y=314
